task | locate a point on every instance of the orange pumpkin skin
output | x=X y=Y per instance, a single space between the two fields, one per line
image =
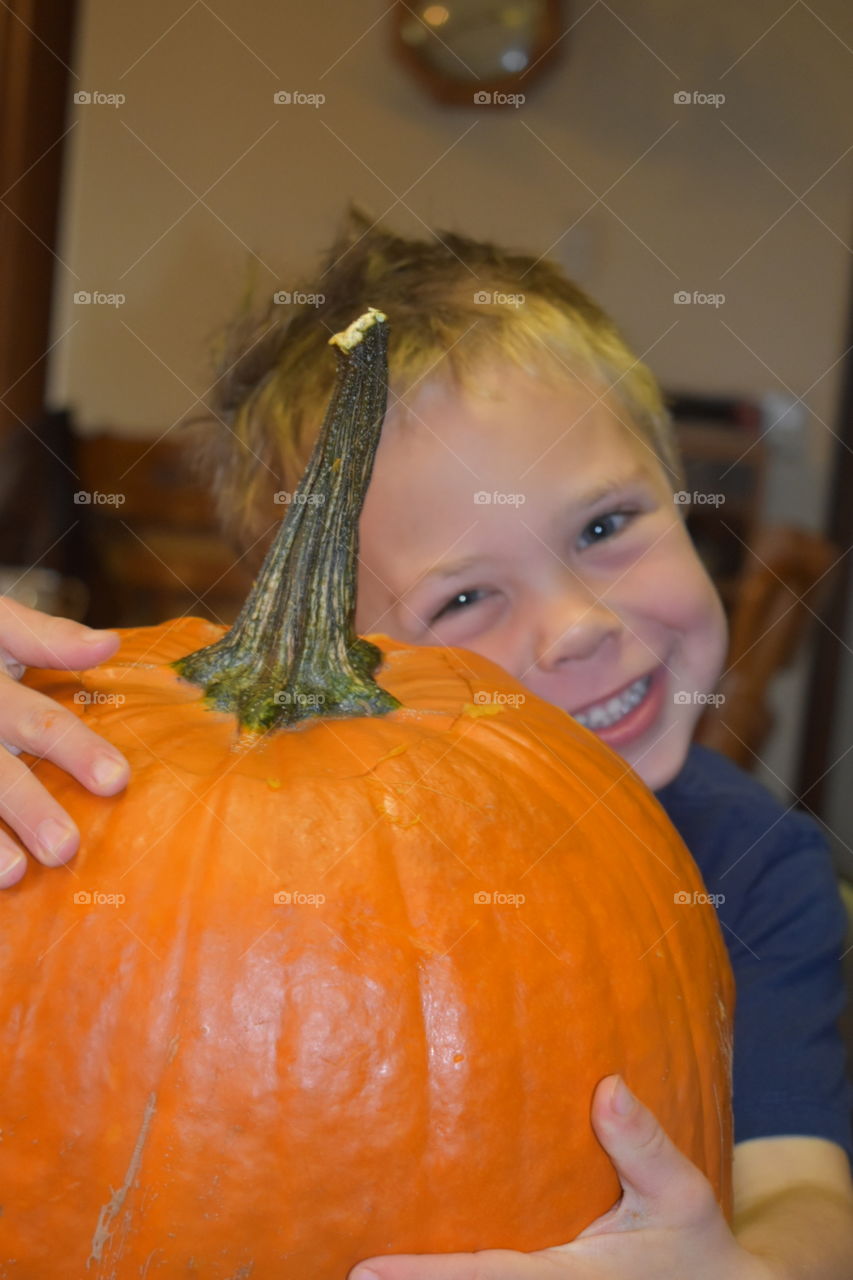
x=199 y=1079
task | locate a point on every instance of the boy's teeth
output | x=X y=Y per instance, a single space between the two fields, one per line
x=604 y=714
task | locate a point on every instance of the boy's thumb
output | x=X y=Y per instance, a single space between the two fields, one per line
x=647 y=1161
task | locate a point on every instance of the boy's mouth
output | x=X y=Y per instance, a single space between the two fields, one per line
x=610 y=711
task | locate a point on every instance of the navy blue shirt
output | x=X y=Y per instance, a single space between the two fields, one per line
x=784 y=925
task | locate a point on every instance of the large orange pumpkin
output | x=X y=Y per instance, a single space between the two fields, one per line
x=309 y=994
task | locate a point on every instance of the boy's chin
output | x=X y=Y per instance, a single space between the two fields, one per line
x=661 y=763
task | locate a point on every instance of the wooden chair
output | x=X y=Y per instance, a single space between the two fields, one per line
x=156 y=552
x=783 y=584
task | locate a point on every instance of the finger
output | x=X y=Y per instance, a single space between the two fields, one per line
x=487 y=1264
x=34 y=723
x=36 y=639
x=35 y=817
x=13 y=862
x=659 y=1183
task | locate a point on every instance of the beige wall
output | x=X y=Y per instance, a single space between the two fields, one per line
x=691 y=197
x=200 y=111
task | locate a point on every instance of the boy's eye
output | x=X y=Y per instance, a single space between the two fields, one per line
x=462 y=600
x=605 y=526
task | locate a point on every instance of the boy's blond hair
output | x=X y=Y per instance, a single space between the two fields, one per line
x=454 y=306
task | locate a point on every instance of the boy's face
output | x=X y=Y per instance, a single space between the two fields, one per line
x=574 y=573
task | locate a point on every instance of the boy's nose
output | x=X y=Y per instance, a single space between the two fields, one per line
x=572 y=624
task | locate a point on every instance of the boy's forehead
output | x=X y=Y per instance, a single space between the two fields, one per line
x=523 y=417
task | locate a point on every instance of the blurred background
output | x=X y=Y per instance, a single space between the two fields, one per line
x=691 y=170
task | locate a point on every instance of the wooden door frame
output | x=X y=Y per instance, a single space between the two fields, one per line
x=825 y=676
x=36 y=39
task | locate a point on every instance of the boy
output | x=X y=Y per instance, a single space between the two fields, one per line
x=522 y=506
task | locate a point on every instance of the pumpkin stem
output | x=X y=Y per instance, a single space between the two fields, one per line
x=293 y=653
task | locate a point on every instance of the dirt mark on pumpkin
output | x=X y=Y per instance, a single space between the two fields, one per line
x=110 y=1211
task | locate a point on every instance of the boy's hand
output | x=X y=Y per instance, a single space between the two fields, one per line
x=666 y=1226
x=31 y=722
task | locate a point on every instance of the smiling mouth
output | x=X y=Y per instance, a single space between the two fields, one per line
x=601 y=715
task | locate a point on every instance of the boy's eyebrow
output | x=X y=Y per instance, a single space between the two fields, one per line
x=450 y=569
x=637 y=475
x=583 y=501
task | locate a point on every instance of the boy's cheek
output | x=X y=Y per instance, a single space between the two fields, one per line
x=722 y=638
x=687 y=599
x=712 y=630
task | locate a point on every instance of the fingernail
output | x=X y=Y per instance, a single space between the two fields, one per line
x=53 y=837
x=363 y=1273
x=9 y=860
x=106 y=770
x=96 y=637
x=622 y=1100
